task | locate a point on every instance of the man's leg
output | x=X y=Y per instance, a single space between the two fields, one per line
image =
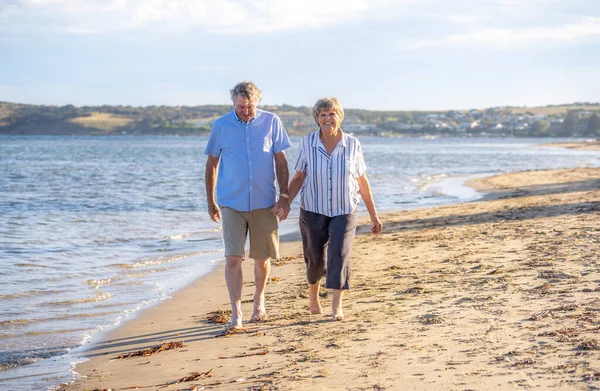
x=262 y=269
x=234 y=235
x=234 y=279
x=264 y=245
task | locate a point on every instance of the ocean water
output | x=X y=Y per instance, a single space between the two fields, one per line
x=94 y=229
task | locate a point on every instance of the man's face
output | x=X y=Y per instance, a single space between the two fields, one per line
x=244 y=108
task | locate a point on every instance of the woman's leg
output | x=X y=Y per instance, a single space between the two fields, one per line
x=313 y=302
x=313 y=228
x=336 y=305
x=342 y=230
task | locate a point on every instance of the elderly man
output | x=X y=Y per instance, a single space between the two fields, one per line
x=246 y=147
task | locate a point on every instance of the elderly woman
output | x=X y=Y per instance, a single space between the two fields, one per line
x=330 y=175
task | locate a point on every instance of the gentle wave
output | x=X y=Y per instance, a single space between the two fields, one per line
x=15 y=322
x=99 y=297
x=25 y=322
x=31 y=265
x=138 y=275
x=156 y=261
x=178 y=236
x=104 y=281
x=188 y=234
x=17 y=363
x=62 y=331
x=18 y=295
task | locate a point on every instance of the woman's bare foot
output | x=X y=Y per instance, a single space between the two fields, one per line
x=313 y=302
x=336 y=305
x=315 y=308
x=338 y=316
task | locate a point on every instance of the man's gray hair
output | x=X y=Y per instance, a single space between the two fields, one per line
x=247 y=89
x=327 y=104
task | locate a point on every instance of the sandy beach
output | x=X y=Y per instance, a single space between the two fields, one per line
x=503 y=293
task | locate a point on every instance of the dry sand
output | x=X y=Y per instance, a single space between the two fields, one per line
x=491 y=295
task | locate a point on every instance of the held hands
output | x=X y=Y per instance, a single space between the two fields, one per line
x=214 y=212
x=281 y=209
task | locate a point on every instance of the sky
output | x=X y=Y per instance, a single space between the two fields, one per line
x=371 y=54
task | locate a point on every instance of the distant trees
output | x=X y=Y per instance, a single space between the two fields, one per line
x=540 y=128
x=15 y=118
x=569 y=126
x=593 y=125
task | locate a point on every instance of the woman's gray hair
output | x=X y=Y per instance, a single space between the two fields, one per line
x=247 y=89
x=327 y=104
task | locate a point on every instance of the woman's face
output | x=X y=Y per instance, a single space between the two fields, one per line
x=329 y=121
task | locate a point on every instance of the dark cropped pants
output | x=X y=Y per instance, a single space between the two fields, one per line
x=327 y=244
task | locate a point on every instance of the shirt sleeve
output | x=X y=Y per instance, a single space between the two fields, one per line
x=361 y=167
x=281 y=141
x=302 y=163
x=213 y=147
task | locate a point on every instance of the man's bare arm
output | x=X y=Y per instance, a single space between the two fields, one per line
x=282 y=171
x=282 y=206
x=210 y=178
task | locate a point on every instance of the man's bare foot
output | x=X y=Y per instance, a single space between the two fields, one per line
x=236 y=320
x=260 y=313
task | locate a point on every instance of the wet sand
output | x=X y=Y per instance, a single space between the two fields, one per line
x=592 y=145
x=498 y=294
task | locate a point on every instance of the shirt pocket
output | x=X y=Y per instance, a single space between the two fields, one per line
x=233 y=144
x=349 y=168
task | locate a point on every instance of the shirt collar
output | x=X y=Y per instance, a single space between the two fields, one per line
x=256 y=115
x=316 y=140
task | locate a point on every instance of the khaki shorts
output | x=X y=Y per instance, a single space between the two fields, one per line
x=264 y=235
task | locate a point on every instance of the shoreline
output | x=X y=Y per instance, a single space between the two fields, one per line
x=588 y=145
x=494 y=293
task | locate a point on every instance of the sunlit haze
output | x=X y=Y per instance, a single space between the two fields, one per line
x=371 y=54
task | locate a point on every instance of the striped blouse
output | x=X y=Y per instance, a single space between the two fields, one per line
x=330 y=187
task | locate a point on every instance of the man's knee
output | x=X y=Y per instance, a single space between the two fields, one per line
x=233 y=262
x=262 y=263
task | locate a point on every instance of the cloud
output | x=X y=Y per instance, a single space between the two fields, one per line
x=511 y=38
x=222 y=16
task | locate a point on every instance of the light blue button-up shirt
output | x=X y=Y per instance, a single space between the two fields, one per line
x=246 y=177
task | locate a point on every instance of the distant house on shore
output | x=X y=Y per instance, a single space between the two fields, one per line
x=400 y=125
x=521 y=126
x=475 y=113
x=354 y=127
x=466 y=126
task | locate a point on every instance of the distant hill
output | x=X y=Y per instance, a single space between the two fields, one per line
x=18 y=118
x=559 y=109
